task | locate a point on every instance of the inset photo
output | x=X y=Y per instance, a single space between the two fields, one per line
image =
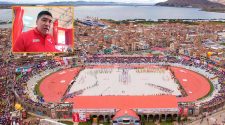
x=43 y=29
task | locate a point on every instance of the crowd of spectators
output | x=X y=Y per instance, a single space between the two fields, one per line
x=12 y=83
x=7 y=98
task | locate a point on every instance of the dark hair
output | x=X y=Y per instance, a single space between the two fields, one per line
x=44 y=13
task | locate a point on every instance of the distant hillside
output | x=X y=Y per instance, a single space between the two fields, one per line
x=80 y=3
x=218 y=1
x=204 y=4
x=3 y=3
x=7 y=5
x=76 y=3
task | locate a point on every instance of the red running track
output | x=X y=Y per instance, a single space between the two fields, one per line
x=54 y=86
x=195 y=85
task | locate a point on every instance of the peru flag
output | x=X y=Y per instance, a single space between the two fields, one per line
x=76 y=117
x=18 y=22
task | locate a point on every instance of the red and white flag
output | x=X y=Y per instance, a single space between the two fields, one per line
x=76 y=117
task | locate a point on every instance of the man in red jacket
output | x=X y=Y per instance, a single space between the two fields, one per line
x=37 y=39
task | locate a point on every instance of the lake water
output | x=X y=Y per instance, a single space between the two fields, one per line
x=144 y=12
x=134 y=12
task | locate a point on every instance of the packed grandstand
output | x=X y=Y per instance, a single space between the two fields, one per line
x=99 y=87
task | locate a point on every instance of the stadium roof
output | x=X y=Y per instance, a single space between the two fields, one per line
x=124 y=102
x=126 y=112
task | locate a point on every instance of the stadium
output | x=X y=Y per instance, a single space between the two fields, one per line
x=128 y=89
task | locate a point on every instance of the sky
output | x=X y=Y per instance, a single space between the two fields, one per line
x=44 y=1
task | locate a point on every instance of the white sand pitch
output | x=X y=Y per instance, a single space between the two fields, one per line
x=118 y=81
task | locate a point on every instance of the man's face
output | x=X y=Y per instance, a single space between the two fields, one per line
x=44 y=24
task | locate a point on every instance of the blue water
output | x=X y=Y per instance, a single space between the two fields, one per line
x=134 y=12
x=144 y=12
